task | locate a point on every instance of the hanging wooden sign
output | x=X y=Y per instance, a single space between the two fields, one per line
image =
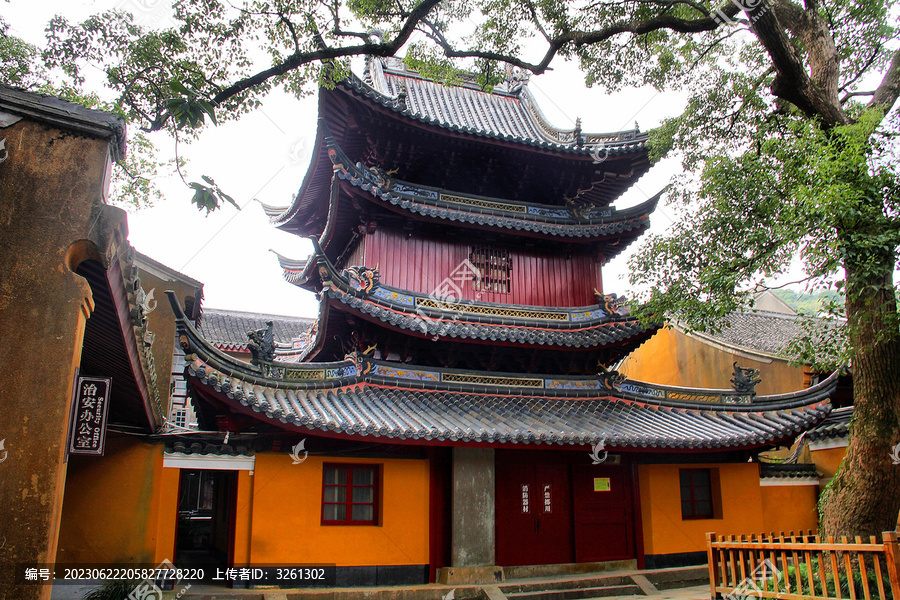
x=87 y=430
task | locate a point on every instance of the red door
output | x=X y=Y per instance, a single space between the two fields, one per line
x=604 y=525
x=534 y=513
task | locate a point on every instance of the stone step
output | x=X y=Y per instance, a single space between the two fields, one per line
x=591 y=581
x=677 y=577
x=581 y=593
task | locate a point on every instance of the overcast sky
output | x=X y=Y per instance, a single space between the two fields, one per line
x=264 y=157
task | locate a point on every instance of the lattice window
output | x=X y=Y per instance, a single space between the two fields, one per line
x=350 y=494
x=495 y=267
x=699 y=493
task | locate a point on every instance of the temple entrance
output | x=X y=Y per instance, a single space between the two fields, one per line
x=604 y=524
x=555 y=508
x=534 y=510
x=206 y=515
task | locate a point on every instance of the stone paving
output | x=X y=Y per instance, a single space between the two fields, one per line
x=203 y=591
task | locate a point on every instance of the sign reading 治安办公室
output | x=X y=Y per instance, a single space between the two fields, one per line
x=601 y=484
x=87 y=431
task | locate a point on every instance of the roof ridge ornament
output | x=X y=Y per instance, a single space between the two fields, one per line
x=261 y=343
x=362 y=279
x=745 y=380
x=516 y=78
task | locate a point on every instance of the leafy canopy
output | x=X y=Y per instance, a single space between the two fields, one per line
x=786 y=140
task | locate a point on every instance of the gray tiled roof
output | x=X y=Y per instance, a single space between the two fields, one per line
x=227 y=329
x=465 y=108
x=593 y=334
x=768 y=332
x=578 y=327
x=415 y=412
x=836 y=425
x=788 y=471
x=448 y=205
x=382 y=399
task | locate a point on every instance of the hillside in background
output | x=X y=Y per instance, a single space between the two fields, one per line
x=807 y=304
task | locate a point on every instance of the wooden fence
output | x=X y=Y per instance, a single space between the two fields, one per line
x=794 y=567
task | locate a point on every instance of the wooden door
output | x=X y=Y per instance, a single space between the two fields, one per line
x=534 y=513
x=603 y=510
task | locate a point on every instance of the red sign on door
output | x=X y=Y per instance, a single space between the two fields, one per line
x=87 y=432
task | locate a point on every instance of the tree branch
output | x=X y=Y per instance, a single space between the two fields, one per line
x=887 y=93
x=301 y=58
x=293 y=32
x=586 y=38
x=792 y=82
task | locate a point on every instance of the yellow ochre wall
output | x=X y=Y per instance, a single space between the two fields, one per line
x=789 y=508
x=285 y=506
x=746 y=507
x=673 y=358
x=828 y=461
x=119 y=508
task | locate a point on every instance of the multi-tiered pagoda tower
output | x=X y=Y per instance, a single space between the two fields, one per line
x=455 y=398
x=457 y=228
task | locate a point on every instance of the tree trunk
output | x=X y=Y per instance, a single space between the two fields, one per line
x=864 y=496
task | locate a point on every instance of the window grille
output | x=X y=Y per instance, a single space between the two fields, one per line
x=495 y=268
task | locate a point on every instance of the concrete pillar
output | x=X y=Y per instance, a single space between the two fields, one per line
x=473 y=543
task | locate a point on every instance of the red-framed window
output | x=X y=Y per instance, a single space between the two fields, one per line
x=696 y=494
x=350 y=494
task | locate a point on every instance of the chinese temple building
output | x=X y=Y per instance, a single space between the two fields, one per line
x=454 y=411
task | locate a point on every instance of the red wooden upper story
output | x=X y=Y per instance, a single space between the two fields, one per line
x=480 y=268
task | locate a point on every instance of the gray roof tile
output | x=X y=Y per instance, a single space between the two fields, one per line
x=769 y=332
x=463 y=107
x=227 y=329
x=432 y=415
x=836 y=425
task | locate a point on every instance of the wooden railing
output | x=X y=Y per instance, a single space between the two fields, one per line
x=794 y=567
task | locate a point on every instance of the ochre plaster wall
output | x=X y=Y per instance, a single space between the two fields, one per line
x=285 y=506
x=119 y=508
x=665 y=532
x=790 y=508
x=673 y=358
x=828 y=461
x=52 y=187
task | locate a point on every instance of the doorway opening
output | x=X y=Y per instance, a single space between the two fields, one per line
x=206 y=516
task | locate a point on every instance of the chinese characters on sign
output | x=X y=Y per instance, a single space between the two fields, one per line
x=87 y=433
x=525 y=499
